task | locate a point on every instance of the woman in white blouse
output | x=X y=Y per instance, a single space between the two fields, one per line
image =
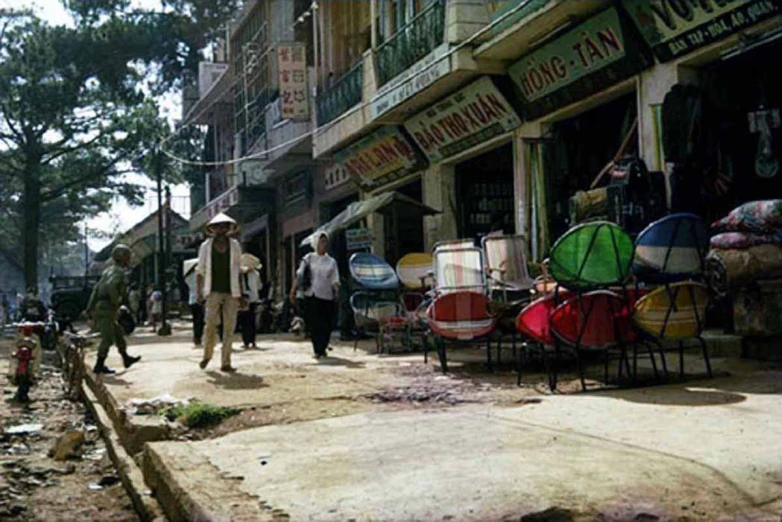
x=320 y=292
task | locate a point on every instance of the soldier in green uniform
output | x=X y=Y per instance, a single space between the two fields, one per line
x=103 y=307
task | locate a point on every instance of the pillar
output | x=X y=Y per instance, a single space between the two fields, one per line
x=439 y=192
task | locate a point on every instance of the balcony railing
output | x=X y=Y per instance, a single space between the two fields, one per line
x=412 y=42
x=346 y=93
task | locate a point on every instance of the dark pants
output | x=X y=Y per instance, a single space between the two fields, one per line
x=197 y=310
x=301 y=311
x=321 y=322
x=247 y=324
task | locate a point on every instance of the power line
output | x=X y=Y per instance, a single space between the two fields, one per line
x=344 y=115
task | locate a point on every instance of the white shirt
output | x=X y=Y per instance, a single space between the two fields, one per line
x=191 y=283
x=325 y=275
x=204 y=267
x=253 y=285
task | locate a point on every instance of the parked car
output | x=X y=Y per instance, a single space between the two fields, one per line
x=70 y=295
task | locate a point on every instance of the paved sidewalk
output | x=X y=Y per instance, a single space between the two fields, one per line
x=312 y=444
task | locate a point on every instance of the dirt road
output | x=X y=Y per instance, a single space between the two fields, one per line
x=33 y=486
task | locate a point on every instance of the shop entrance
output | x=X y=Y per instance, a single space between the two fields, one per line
x=404 y=233
x=337 y=244
x=578 y=151
x=738 y=136
x=484 y=194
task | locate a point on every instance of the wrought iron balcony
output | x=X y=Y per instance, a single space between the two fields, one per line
x=343 y=95
x=420 y=36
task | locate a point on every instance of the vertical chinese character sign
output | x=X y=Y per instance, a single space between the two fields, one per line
x=292 y=66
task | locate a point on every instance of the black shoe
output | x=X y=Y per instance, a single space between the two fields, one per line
x=105 y=370
x=130 y=361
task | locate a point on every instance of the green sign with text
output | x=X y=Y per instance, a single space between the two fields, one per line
x=586 y=59
x=676 y=27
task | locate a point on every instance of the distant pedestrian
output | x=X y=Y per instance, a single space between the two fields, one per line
x=318 y=275
x=251 y=280
x=103 y=308
x=196 y=308
x=219 y=284
x=4 y=311
x=156 y=307
x=134 y=302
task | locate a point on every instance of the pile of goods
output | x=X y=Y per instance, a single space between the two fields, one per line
x=745 y=263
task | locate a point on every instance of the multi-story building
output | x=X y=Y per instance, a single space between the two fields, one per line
x=495 y=113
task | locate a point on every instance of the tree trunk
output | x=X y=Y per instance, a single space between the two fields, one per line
x=31 y=223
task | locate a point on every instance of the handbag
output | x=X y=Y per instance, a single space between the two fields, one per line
x=305 y=278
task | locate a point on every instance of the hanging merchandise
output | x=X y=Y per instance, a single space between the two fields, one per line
x=682 y=108
x=762 y=122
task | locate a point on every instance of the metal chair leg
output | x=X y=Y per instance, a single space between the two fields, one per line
x=634 y=377
x=488 y=356
x=499 y=350
x=441 y=355
x=581 y=369
x=551 y=367
x=681 y=359
x=517 y=355
x=706 y=355
x=662 y=355
x=654 y=362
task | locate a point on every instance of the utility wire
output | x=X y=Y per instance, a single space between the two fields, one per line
x=344 y=115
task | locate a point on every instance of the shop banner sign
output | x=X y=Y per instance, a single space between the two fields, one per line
x=473 y=115
x=222 y=203
x=335 y=175
x=358 y=238
x=421 y=75
x=292 y=67
x=380 y=158
x=591 y=57
x=673 y=28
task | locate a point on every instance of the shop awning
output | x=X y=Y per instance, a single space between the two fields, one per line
x=385 y=204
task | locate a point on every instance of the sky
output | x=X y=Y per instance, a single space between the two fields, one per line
x=121 y=217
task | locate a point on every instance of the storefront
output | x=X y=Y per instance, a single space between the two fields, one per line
x=382 y=162
x=297 y=217
x=258 y=239
x=719 y=120
x=467 y=135
x=578 y=96
x=336 y=192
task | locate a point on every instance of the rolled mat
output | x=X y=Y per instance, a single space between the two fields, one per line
x=587 y=204
x=728 y=270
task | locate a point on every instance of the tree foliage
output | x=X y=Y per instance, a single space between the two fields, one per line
x=78 y=109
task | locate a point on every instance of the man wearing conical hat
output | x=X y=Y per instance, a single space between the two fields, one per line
x=251 y=278
x=103 y=308
x=218 y=282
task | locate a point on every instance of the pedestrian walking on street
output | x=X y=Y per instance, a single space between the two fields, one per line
x=196 y=307
x=156 y=307
x=318 y=276
x=134 y=302
x=4 y=310
x=103 y=308
x=251 y=279
x=218 y=279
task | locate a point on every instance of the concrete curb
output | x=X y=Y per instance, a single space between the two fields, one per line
x=132 y=432
x=190 y=488
x=129 y=473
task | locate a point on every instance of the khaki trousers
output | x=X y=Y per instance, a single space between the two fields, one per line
x=230 y=307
